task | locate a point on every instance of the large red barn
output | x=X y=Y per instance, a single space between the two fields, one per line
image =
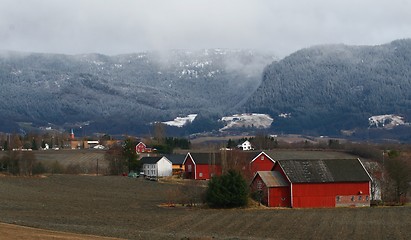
x=202 y=166
x=317 y=183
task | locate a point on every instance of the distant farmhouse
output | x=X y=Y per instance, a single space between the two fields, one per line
x=245 y=146
x=142 y=148
x=156 y=166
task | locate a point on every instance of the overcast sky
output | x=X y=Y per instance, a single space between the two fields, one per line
x=127 y=26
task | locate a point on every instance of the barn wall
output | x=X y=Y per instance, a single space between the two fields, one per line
x=324 y=194
x=189 y=168
x=164 y=168
x=258 y=185
x=261 y=164
x=277 y=168
x=279 y=197
x=206 y=171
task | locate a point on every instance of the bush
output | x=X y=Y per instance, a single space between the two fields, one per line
x=38 y=168
x=227 y=191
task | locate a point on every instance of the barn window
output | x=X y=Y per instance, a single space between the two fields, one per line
x=189 y=168
x=262 y=157
x=259 y=185
x=367 y=198
x=359 y=198
x=200 y=174
x=352 y=198
x=338 y=198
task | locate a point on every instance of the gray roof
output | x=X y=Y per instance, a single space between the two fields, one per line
x=206 y=158
x=176 y=158
x=273 y=179
x=320 y=171
x=307 y=154
x=150 y=160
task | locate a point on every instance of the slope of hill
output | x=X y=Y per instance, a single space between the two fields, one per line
x=119 y=93
x=325 y=89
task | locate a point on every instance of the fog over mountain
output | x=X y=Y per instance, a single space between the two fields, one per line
x=321 y=90
x=120 y=93
x=329 y=88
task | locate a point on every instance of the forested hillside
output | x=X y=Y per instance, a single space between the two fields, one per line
x=121 y=93
x=325 y=89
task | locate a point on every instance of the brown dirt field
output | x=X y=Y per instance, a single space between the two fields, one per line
x=130 y=208
x=15 y=232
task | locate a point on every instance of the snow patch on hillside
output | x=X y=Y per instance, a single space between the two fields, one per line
x=387 y=121
x=255 y=120
x=181 y=121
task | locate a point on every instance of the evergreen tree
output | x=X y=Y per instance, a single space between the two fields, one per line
x=129 y=152
x=227 y=191
x=34 y=144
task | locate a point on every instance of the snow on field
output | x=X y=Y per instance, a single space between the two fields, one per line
x=255 y=120
x=181 y=121
x=388 y=121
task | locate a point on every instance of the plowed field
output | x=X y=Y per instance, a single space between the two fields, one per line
x=129 y=208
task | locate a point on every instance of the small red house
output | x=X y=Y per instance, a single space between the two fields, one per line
x=202 y=166
x=142 y=148
x=318 y=183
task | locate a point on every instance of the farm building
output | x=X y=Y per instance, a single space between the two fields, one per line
x=314 y=183
x=177 y=163
x=261 y=162
x=272 y=188
x=264 y=161
x=156 y=166
x=142 y=148
x=202 y=166
x=245 y=146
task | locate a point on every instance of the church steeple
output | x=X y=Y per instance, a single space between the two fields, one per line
x=72 y=135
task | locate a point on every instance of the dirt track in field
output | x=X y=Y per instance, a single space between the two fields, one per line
x=15 y=232
x=129 y=208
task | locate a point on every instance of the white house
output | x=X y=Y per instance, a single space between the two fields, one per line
x=246 y=146
x=157 y=166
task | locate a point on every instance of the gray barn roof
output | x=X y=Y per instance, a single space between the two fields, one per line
x=307 y=154
x=273 y=179
x=150 y=160
x=206 y=158
x=176 y=158
x=321 y=171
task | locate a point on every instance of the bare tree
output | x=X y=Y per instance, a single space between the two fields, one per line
x=117 y=162
x=399 y=173
x=159 y=132
x=26 y=164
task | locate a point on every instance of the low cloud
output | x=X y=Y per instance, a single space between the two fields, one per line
x=115 y=27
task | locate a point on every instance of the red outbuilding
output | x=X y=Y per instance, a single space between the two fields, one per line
x=315 y=183
x=261 y=162
x=202 y=166
x=271 y=189
x=142 y=148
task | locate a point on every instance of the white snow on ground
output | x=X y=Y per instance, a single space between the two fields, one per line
x=255 y=120
x=181 y=121
x=388 y=121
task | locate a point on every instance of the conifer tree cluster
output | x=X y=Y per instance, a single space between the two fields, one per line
x=227 y=191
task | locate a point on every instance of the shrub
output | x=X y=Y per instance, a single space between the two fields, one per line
x=227 y=191
x=38 y=168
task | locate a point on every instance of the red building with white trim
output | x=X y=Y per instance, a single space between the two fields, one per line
x=315 y=183
x=202 y=166
x=261 y=162
x=142 y=148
